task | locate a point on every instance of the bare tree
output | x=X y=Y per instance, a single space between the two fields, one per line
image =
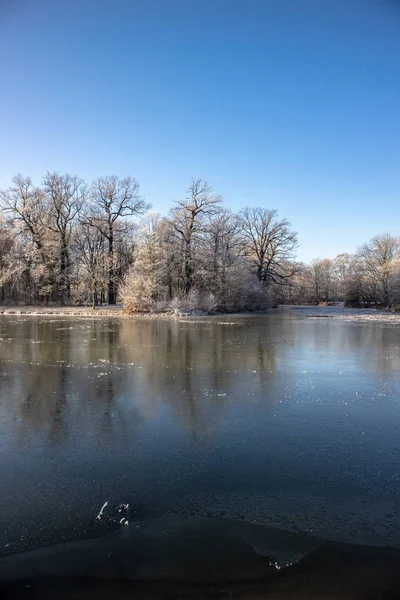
x=171 y=257
x=65 y=196
x=299 y=289
x=378 y=261
x=321 y=273
x=89 y=252
x=219 y=252
x=25 y=206
x=354 y=296
x=111 y=201
x=189 y=218
x=342 y=269
x=61 y=241
x=269 y=245
x=8 y=271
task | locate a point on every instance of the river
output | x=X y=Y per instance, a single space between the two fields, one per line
x=276 y=419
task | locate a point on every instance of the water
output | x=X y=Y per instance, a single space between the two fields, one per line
x=274 y=419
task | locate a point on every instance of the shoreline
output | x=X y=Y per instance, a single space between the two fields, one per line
x=113 y=312
x=117 y=312
x=76 y=311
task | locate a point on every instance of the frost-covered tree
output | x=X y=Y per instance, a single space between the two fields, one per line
x=144 y=283
x=218 y=258
x=378 y=262
x=268 y=244
x=63 y=241
x=190 y=218
x=113 y=201
x=24 y=207
x=322 y=277
x=64 y=198
x=90 y=259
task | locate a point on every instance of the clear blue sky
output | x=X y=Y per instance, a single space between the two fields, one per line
x=289 y=104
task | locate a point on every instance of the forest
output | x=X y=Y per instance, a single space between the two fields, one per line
x=67 y=242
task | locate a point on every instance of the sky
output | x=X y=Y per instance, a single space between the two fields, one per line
x=285 y=104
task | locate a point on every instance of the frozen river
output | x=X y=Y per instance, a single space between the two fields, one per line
x=278 y=419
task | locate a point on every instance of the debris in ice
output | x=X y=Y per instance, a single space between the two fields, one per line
x=113 y=514
x=101 y=513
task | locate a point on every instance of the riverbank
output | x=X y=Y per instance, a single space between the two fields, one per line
x=99 y=311
x=312 y=312
x=75 y=311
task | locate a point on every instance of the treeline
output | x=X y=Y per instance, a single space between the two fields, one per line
x=68 y=242
x=370 y=277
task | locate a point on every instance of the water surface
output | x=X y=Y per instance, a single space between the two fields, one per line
x=275 y=419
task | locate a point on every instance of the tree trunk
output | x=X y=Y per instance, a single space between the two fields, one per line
x=111 y=282
x=94 y=295
x=169 y=288
x=215 y=267
x=188 y=269
x=65 y=288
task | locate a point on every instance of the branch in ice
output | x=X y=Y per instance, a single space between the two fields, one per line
x=100 y=515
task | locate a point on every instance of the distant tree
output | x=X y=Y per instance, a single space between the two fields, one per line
x=341 y=268
x=218 y=255
x=9 y=271
x=171 y=258
x=300 y=289
x=148 y=254
x=378 y=262
x=113 y=200
x=354 y=295
x=25 y=208
x=64 y=197
x=144 y=285
x=64 y=242
x=88 y=247
x=268 y=244
x=190 y=218
x=321 y=271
